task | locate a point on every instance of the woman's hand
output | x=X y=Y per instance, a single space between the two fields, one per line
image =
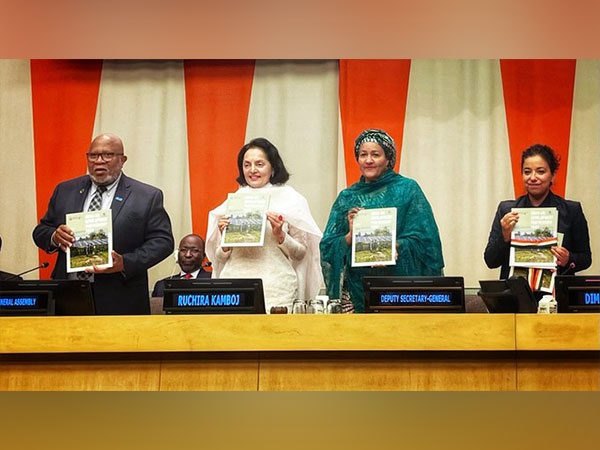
x=508 y=223
x=277 y=222
x=562 y=255
x=222 y=224
x=351 y=215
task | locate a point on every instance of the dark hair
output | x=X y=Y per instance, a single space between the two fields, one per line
x=279 y=173
x=545 y=152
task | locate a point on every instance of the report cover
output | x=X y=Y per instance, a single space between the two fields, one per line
x=546 y=282
x=536 y=226
x=93 y=240
x=533 y=236
x=374 y=237
x=247 y=219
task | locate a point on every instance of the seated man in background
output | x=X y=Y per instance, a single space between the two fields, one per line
x=190 y=256
x=6 y=275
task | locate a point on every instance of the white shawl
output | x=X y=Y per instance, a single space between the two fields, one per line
x=287 y=202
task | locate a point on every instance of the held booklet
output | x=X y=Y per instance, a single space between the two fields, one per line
x=533 y=236
x=93 y=240
x=247 y=219
x=374 y=237
x=536 y=226
x=538 y=279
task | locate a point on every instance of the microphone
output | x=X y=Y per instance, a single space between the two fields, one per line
x=41 y=266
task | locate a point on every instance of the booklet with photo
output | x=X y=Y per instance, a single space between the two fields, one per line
x=538 y=279
x=538 y=257
x=519 y=272
x=374 y=237
x=546 y=280
x=93 y=240
x=247 y=219
x=533 y=236
x=536 y=227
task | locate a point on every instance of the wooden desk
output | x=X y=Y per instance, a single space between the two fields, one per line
x=287 y=352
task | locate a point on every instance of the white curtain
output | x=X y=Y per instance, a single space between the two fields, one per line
x=143 y=102
x=583 y=173
x=295 y=105
x=456 y=147
x=18 y=214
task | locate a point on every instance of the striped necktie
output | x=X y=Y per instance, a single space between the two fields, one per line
x=96 y=203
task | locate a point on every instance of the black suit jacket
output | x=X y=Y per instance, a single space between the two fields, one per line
x=159 y=286
x=141 y=234
x=571 y=222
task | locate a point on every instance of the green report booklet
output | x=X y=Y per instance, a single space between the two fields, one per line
x=247 y=219
x=374 y=237
x=93 y=240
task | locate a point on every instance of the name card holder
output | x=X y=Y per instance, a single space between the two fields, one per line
x=26 y=303
x=414 y=294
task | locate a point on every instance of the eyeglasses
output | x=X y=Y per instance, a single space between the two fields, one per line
x=106 y=156
x=194 y=251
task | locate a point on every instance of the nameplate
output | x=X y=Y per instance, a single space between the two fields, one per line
x=21 y=303
x=578 y=294
x=414 y=294
x=212 y=296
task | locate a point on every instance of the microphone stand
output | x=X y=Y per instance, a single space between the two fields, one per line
x=41 y=266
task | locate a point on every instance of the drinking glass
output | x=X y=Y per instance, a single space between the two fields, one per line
x=334 y=306
x=299 y=307
x=316 y=307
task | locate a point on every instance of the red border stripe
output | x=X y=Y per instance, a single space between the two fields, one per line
x=538 y=95
x=217 y=100
x=64 y=101
x=373 y=94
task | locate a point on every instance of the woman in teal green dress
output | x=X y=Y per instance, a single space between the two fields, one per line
x=419 y=250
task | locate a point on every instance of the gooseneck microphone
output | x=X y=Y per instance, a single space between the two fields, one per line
x=41 y=266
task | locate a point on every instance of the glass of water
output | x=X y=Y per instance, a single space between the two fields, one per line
x=299 y=307
x=316 y=307
x=334 y=306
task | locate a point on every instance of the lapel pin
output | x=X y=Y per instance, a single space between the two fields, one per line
x=119 y=199
x=82 y=191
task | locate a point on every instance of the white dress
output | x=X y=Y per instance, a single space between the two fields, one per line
x=289 y=270
x=271 y=262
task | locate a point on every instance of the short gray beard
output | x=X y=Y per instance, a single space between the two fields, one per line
x=104 y=183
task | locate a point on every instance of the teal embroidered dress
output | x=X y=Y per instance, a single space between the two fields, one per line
x=417 y=236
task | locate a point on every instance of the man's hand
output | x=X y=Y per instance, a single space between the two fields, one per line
x=63 y=237
x=117 y=266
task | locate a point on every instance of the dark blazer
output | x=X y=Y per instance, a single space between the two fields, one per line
x=159 y=286
x=141 y=234
x=571 y=222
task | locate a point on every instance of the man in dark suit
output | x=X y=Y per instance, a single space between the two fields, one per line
x=5 y=275
x=190 y=256
x=141 y=228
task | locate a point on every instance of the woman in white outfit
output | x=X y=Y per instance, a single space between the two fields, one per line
x=289 y=261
